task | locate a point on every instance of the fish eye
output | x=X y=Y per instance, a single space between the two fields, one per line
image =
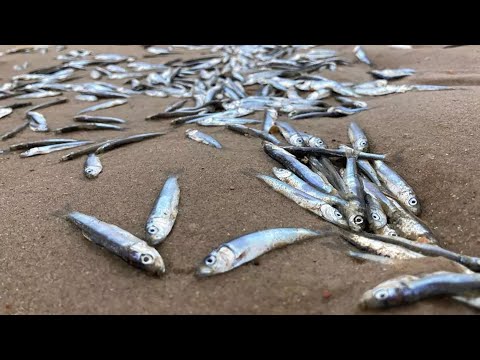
x=358 y=220
x=210 y=260
x=363 y=143
x=381 y=294
x=412 y=201
x=152 y=230
x=375 y=217
x=146 y=259
x=338 y=214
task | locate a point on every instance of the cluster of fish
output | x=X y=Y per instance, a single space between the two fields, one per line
x=371 y=206
x=135 y=251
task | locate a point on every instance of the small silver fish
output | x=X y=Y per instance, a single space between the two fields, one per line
x=202 y=138
x=53 y=148
x=407 y=289
x=38 y=123
x=130 y=248
x=100 y=119
x=5 y=112
x=39 y=94
x=357 y=137
x=93 y=166
x=215 y=121
x=390 y=74
x=89 y=98
x=104 y=105
x=88 y=126
x=271 y=116
x=164 y=213
x=361 y=55
x=32 y=144
x=248 y=247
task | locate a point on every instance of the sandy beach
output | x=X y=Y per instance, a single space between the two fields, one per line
x=48 y=267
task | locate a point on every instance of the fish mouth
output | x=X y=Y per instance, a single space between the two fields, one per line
x=203 y=272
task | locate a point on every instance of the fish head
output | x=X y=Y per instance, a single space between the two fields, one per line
x=157 y=231
x=333 y=215
x=387 y=294
x=296 y=140
x=92 y=171
x=217 y=262
x=361 y=144
x=377 y=218
x=411 y=202
x=316 y=142
x=355 y=216
x=281 y=174
x=147 y=258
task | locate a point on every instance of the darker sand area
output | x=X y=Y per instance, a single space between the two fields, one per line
x=48 y=267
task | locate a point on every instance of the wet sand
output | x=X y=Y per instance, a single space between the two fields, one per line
x=48 y=267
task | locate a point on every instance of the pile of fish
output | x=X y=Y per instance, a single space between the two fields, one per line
x=365 y=200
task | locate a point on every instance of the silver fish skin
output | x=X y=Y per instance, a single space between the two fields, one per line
x=131 y=249
x=357 y=137
x=387 y=230
x=408 y=289
x=39 y=94
x=101 y=119
x=10 y=134
x=164 y=213
x=370 y=172
x=310 y=203
x=239 y=251
x=202 y=138
x=363 y=241
x=93 y=166
x=5 y=112
x=215 y=121
x=89 y=98
x=361 y=55
x=271 y=116
x=291 y=179
x=313 y=141
x=38 y=123
x=349 y=102
x=88 y=126
x=294 y=165
x=176 y=105
x=317 y=151
x=390 y=74
x=470 y=262
x=253 y=132
x=42 y=150
x=376 y=217
x=370 y=257
x=397 y=186
x=111 y=58
x=32 y=144
x=116 y=143
x=290 y=134
x=104 y=105
x=385 y=90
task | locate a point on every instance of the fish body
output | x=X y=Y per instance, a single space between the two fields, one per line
x=116 y=143
x=253 y=132
x=164 y=213
x=361 y=55
x=271 y=116
x=248 y=247
x=5 y=112
x=203 y=138
x=32 y=144
x=88 y=126
x=37 y=121
x=101 y=119
x=52 y=148
x=104 y=105
x=390 y=74
x=131 y=249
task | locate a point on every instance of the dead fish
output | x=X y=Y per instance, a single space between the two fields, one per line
x=115 y=69
x=37 y=122
x=364 y=242
x=17 y=105
x=290 y=134
x=357 y=137
x=95 y=74
x=88 y=126
x=93 y=166
x=349 y=102
x=53 y=148
x=164 y=213
x=32 y=144
x=157 y=51
x=85 y=151
x=39 y=94
x=407 y=289
x=5 y=112
x=215 y=121
x=131 y=249
x=104 y=105
x=310 y=203
x=83 y=97
x=390 y=74
x=15 y=131
x=237 y=252
x=176 y=105
x=271 y=116
x=253 y=132
x=370 y=257
x=397 y=186
x=111 y=58
x=361 y=55
x=48 y=104
x=100 y=119
x=116 y=143
x=202 y=138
